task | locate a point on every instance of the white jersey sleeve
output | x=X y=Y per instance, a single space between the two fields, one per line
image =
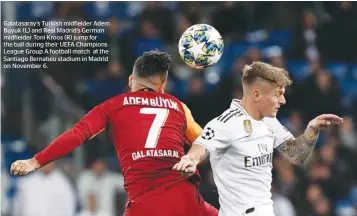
x=215 y=136
x=280 y=132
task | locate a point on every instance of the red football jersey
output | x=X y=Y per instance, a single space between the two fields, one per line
x=148 y=130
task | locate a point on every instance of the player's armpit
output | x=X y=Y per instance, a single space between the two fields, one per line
x=298 y=150
x=88 y=127
x=193 y=129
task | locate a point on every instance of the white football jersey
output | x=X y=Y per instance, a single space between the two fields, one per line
x=241 y=153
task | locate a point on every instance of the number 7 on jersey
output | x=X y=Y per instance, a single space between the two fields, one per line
x=155 y=129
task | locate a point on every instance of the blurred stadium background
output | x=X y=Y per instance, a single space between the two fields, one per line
x=315 y=41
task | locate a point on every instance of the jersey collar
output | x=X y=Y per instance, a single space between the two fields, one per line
x=146 y=89
x=236 y=104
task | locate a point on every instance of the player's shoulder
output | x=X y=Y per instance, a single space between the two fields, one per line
x=182 y=106
x=231 y=121
x=232 y=116
x=171 y=96
x=127 y=97
x=275 y=125
x=115 y=99
x=272 y=122
x=113 y=102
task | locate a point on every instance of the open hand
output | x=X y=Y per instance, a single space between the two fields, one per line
x=324 y=121
x=186 y=166
x=24 y=167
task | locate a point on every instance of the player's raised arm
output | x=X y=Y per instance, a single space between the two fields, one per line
x=88 y=127
x=299 y=149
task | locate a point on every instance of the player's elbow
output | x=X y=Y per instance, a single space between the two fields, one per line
x=80 y=133
x=297 y=161
x=293 y=160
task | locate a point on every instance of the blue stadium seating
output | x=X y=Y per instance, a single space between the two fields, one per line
x=143 y=45
x=299 y=69
x=280 y=37
x=14 y=148
x=103 y=10
x=338 y=70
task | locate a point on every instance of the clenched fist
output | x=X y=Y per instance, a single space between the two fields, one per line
x=24 y=167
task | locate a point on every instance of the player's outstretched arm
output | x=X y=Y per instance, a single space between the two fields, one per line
x=299 y=149
x=89 y=126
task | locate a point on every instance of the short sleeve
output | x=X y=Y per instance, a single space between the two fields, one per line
x=215 y=136
x=280 y=132
x=193 y=129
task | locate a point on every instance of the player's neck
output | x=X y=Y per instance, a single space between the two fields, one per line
x=250 y=108
x=136 y=88
x=139 y=84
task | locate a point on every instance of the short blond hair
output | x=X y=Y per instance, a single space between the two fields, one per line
x=266 y=72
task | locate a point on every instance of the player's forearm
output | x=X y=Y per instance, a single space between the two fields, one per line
x=298 y=150
x=89 y=126
x=197 y=153
x=63 y=145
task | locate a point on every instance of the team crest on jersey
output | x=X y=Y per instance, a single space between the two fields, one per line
x=248 y=126
x=208 y=133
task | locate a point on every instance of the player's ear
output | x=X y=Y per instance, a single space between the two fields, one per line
x=163 y=81
x=256 y=95
x=162 y=87
x=130 y=81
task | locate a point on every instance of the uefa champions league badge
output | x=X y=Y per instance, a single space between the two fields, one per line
x=248 y=126
x=208 y=133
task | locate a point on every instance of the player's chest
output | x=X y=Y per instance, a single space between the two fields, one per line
x=259 y=142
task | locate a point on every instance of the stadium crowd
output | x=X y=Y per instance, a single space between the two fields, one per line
x=315 y=42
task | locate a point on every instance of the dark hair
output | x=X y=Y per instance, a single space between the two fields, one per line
x=152 y=63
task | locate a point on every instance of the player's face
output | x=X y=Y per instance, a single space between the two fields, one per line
x=272 y=100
